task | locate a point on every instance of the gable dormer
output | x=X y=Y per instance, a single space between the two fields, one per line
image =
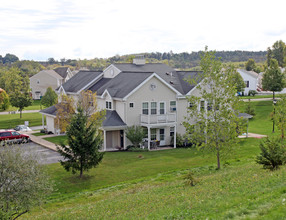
x=111 y=72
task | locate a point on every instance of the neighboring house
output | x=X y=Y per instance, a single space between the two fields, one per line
x=251 y=80
x=48 y=78
x=151 y=95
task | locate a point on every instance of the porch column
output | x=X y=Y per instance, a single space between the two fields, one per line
x=43 y=121
x=104 y=140
x=175 y=136
x=149 y=137
x=124 y=139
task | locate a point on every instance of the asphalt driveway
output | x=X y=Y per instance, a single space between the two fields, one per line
x=44 y=155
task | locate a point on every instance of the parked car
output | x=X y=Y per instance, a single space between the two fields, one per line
x=22 y=128
x=11 y=136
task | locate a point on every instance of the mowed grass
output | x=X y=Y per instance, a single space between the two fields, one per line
x=57 y=139
x=150 y=185
x=11 y=120
x=35 y=106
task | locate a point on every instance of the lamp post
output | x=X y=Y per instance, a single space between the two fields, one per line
x=274 y=103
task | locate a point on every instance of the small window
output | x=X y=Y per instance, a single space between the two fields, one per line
x=202 y=105
x=145 y=108
x=38 y=81
x=131 y=105
x=173 y=106
x=172 y=131
x=246 y=84
x=153 y=108
x=191 y=105
x=108 y=105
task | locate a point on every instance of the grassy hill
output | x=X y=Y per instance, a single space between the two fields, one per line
x=152 y=185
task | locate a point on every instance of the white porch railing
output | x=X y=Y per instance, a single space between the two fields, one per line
x=157 y=119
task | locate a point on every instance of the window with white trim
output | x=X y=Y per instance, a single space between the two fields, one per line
x=210 y=105
x=153 y=108
x=162 y=108
x=108 y=105
x=202 y=105
x=246 y=84
x=162 y=134
x=145 y=108
x=173 y=106
x=172 y=131
x=153 y=134
x=131 y=105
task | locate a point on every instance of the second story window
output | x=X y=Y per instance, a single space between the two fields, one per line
x=131 y=105
x=108 y=105
x=210 y=105
x=202 y=107
x=153 y=108
x=145 y=108
x=173 y=106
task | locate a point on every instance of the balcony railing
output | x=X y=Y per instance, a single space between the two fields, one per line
x=158 y=119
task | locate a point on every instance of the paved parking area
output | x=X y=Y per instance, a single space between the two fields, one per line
x=44 y=155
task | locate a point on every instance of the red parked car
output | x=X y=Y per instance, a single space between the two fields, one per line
x=11 y=136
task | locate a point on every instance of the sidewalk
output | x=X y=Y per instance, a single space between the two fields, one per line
x=41 y=141
x=252 y=135
x=17 y=112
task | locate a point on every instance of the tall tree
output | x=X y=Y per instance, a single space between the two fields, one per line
x=250 y=65
x=277 y=52
x=4 y=100
x=50 y=98
x=23 y=182
x=280 y=116
x=273 y=79
x=212 y=120
x=21 y=97
x=238 y=81
x=84 y=142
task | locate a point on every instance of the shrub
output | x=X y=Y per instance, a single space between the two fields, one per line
x=273 y=153
x=190 y=180
x=252 y=93
x=249 y=108
x=135 y=134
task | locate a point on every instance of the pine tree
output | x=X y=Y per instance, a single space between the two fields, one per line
x=84 y=141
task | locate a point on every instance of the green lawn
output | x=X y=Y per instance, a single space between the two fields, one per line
x=57 y=139
x=11 y=120
x=150 y=185
x=35 y=106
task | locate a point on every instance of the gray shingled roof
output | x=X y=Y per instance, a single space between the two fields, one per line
x=122 y=84
x=112 y=119
x=185 y=75
x=62 y=71
x=80 y=80
x=50 y=110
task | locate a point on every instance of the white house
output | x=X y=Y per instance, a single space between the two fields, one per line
x=250 y=79
x=48 y=78
x=151 y=95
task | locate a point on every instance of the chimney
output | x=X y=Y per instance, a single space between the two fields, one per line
x=139 y=60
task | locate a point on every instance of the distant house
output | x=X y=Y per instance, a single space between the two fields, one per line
x=251 y=80
x=48 y=78
x=151 y=95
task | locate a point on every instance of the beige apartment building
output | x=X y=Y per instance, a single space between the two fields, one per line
x=151 y=95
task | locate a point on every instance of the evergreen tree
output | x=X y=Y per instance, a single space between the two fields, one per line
x=84 y=141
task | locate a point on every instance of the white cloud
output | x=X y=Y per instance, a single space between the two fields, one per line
x=38 y=30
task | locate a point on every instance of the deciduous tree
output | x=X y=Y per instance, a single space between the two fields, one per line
x=212 y=121
x=250 y=65
x=280 y=116
x=50 y=98
x=135 y=134
x=277 y=52
x=273 y=79
x=23 y=182
x=4 y=100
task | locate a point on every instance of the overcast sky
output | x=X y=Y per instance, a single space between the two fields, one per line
x=79 y=29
